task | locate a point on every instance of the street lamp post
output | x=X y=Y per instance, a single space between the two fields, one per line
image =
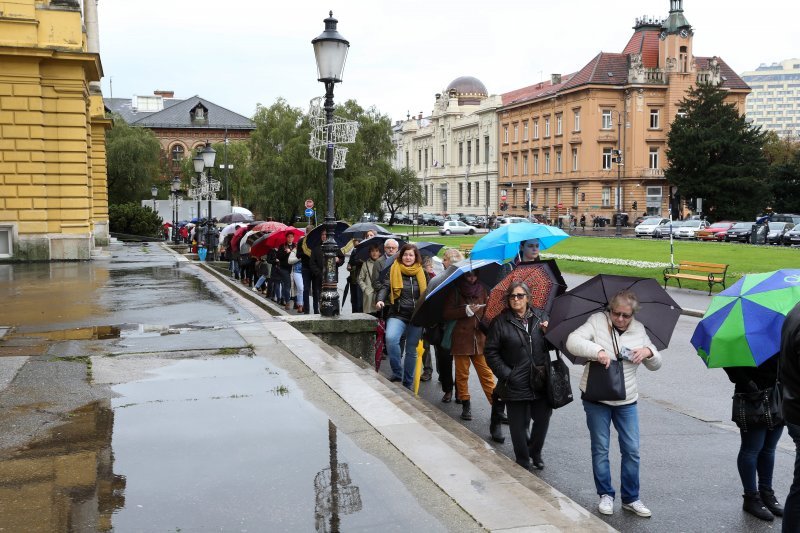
x=208 y=156
x=330 y=51
x=174 y=189
x=154 y=192
x=620 y=161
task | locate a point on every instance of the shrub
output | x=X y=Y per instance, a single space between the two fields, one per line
x=134 y=219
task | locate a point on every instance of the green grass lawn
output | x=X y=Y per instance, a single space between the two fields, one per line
x=742 y=258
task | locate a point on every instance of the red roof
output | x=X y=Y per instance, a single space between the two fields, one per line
x=731 y=79
x=533 y=92
x=644 y=41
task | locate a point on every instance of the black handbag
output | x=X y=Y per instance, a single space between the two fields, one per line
x=758 y=409
x=434 y=334
x=606 y=384
x=559 y=390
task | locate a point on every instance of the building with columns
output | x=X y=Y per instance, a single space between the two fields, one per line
x=561 y=137
x=453 y=151
x=53 y=192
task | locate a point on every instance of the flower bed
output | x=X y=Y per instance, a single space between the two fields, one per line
x=607 y=261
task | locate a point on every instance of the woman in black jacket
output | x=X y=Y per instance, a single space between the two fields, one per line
x=757 y=451
x=517 y=353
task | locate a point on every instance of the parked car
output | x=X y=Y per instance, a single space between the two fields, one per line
x=715 y=232
x=689 y=229
x=454 y=216
x=739 y=232
x=426 y=219
x=438 y=220
x=649 y=225
x=456 y=227
x=505 y=221
x=777 y=232
x=481 y=221
x=670 y=227
x=472 y=220
x=784 y=217
x=792 y=237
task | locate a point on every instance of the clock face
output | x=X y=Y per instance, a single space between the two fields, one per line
x=663 y=35
x=684 y=33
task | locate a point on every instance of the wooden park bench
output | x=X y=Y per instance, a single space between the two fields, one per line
x=708 y=272
x=465 y=249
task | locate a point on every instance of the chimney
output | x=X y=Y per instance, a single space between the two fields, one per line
x=164 y=94
x=555 y=79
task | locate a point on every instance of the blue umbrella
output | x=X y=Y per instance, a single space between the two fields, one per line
x=503 y=243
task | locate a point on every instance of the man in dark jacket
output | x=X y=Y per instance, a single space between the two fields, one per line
x=790 y=378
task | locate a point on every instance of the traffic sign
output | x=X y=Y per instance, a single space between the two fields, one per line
x=309 y=211
x=309 y=203
x=560 y=206
x=503 y=198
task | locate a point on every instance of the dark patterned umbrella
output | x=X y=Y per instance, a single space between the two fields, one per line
x=543 y=279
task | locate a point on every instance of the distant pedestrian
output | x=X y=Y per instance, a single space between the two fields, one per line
x=365 y=279
x=583 y=222
x=354 y=268
x=790 y=378
x=305 y=267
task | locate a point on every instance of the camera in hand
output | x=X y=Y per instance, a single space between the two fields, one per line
x=626 y=353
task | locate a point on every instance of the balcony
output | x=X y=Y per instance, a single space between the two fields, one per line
x=653 y=173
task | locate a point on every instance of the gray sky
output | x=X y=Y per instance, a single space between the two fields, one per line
x=401 y=52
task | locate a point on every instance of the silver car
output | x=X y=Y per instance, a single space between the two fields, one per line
x=456 y=227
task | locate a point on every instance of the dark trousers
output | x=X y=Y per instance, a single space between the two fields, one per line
x=356 y=298
x=791 y=510
x=316 y=290
x=757 y=457
x=286 y=284
x=307 y=291
x=520 y=414
x=444 y=367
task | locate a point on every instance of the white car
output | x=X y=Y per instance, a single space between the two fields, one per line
x=456 y=227
x=505 y=221
x=649 y=225
x=689 y=229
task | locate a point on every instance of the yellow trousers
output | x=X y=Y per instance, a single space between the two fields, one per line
x=462 y=375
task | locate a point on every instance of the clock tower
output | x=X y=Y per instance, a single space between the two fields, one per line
x=675 y=47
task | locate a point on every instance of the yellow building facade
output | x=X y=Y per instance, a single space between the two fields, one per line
x=560 y=138
x=53 y=193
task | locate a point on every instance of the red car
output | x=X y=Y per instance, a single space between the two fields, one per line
x=715 y=232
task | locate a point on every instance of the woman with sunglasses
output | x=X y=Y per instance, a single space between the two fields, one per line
x=516 y=349
x=595 y=340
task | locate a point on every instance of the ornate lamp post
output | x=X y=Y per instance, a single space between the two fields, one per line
x=208 y=156
x=175 y=188
x=199 y=165
x=154 y=192
x=330 y=50
x=620 y=161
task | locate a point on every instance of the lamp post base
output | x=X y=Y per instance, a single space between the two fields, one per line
x=619 y=227
x=329 y=293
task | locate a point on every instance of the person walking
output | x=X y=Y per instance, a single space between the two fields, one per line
x=600 y=338
x=285 y=271
x=756 y=457
x=297 y=277
x=354 y=268
x=365 y=279
x=518 y=354
x=305 y=267
x=444 y=357
x=466 y=303
x=790 y=379
x=403 y=287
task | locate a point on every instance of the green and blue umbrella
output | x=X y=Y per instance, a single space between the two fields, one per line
x=503 y=243
x=742 y=326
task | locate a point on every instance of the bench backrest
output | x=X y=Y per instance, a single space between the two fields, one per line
x=716 y=268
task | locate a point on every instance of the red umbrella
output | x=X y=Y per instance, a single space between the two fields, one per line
x=269 y=226
x=543 y=279
x=277 y=239
x=167 y=224
x=237 y=237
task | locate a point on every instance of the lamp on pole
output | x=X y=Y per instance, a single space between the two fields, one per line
x=175 y=188
x=209 y=155
x=154 y=192
x=199 y=165
x=620 y=161
x=330 y=51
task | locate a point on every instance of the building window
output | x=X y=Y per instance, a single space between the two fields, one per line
x=525 y=165
x=576 y=125
x=441 y=163
x=558 y=195
x=606 y=196
x=516 y=132
x=469 y=152
x=514 y=166
x=505 y=134
x=606 y=158
x=546 y=127
x=606 y=119
x=177 y=155
x=477 y=151
x=477 y=192
x=574 y=159
x=525 y=131
x=546 y=196
x=426 y=158
x=407 y=160
x=460 y=194
x=536 y=129
x=505 y=166
x=461 y=154
x=486 y=148
x=558 y=161
x=575 y=196
x=419 y=159
x=536 y=163
x=681 y=113
x=6 y=241
x=487 y=192
x=547 y=162
x=558 y=124
x=469 y=193
x=653 y=157
x=654 y=124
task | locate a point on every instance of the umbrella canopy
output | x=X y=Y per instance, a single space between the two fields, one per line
x=235 y=217
x=542 y=277
x=274 y=240
x=503 y=243
x=429 y=308
x=270 y=226
x=314 y=237
x=230 y=229
x=242 y=210
x=237 y=236
x=363 y=227
x=167 y=224
x=658 y=312
x=195 y=220
x=361 y=251
x=426 y=249
x=742 y=326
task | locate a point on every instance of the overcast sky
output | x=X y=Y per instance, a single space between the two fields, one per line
x=240 y=53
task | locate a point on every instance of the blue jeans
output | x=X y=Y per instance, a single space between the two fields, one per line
x=599 y=417
x=757 y=455
x=791 y=510
x=395 y=329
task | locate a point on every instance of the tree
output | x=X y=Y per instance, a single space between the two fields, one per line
x=715 y=155
x=783 y=156
x=132 y=156
x=402 y=189
x=134 y=219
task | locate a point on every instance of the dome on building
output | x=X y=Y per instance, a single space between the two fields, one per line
x=468 y=89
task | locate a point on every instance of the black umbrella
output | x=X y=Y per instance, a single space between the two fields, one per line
x=658 y=312
x=235 y=217
x=314 y=237
x=363 y=227
x=426 y=249
x=429 y=308
x=361 y=251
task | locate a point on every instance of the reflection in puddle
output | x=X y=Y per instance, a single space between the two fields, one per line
x=334 y=490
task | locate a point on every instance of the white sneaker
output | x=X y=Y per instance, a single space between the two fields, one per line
x=638 y=508
x=606 y=505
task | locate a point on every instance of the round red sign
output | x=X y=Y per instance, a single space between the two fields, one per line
x=503 y=198
x=560 y=206
x=309 y=203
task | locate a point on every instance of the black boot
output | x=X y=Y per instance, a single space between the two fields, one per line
x=753 y=505
x=771 y=502
x=466 y=410
x=495 y=421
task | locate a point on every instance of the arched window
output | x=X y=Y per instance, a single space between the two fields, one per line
x=177 y=153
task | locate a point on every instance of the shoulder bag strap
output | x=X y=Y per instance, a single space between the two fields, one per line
x=613 y=333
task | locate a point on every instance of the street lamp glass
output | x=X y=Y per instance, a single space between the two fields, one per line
x=209 y=155
x=176 y=184
x=330 y=50
x=199 y=163
x=154 y=191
